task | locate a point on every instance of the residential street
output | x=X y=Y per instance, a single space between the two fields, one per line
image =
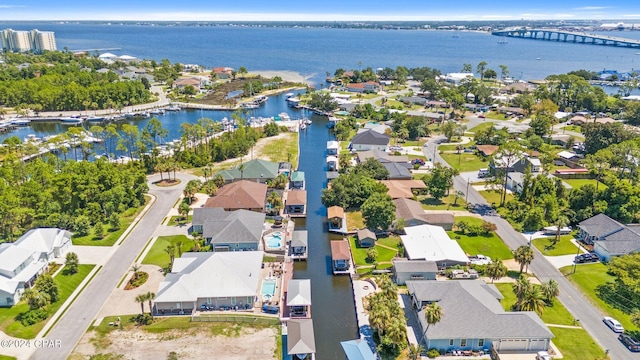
x=81 y=313
x=590 y=318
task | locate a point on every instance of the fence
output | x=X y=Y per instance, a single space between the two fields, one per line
x=252 y=319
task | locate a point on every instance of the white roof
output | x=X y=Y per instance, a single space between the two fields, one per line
x=299 y=292
x=333 y=144
x=12 y=256
x=457 y=76
x=535 y=162
x=107 y=56
x=43 y=240
x=219 y=274
x=126 y=57
x=566 y=154
x=332 y=158
x=431 y=243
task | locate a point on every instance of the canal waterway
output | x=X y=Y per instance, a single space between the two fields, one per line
x=333 y=308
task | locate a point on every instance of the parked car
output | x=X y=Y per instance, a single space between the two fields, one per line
x=613 y=324
x=631 y=343
x=483 y=173
x=543 y=355
x=417 y=161
x=588 y=257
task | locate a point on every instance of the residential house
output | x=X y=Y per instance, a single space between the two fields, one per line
x=403 y=188
x=357 y=350
x=333 y=147
x=301 y=342
x=365 y=87
x=23 y=260
x=404 y=269
x=298 y=248
x=568 y=158
x=609 y=237
x=432 y=243
x=244 y=194
x=256 y=170
x=285 y=168
x=202 y=214
x=456 y=78
x=299 y=298
x=340 y=257
x=397 y=171
x=297 y=180
x=581 y=120
x=296 y=203
x=222 y=73
x=412 y=213
x=487 y=150
x=518 y=88
x=369 y=140
x=384 y=157
x=475 y=320
x=377 y=127
x=499 y=163
x=213 y=279
x=366 y=238
x=239 y=230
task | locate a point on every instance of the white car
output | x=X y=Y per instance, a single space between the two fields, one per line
x=543 y=355
x=613 y=324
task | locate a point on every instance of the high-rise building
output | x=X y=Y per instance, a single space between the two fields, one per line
x=23 y=41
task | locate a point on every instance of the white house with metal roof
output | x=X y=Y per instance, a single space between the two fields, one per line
x=474 y=320
x=299 y=297
x=213 y=279
x=432 y=243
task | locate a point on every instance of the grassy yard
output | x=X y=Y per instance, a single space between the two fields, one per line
x=468 y=161
x=157 y=256
x=360 y=254
x=588 y=277
x=556 y=314
x=577 y=183
x=489 y=245
x=415 y=143
x=446 y=203
x=5 y=357
x=494 y=196
x=126 y=218
x=482 y=126
x=575 y=128
x=279 y=149
x=179 y=220
x=66 y=285
x=564 y=246
x=354 y=220
x=453 y=147
x=495 y=115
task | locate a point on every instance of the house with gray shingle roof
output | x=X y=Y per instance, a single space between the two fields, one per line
x=239 y=230
x=369 y=140
x=405 y=269
x=413 y=214
x=397 y=171
x=473 y=318
x=254 y=170
x=609 y=237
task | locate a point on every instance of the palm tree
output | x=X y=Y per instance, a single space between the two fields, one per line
x=496 y=269
x=432 y=314
x=141 y=299
x=459 y=149
x=415 y=351
x=135 y=268
x=520 y=287
x=171 y=251
x=523 y=255
x=35 y=298
x=184 y=210
x=458 y=194
x=150 y=296
x=550 y=290
x=275 y=202
x=388 y=287
x=533 y=300
x=561 y=221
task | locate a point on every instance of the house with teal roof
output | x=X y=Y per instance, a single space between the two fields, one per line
x=297 y=180
x=254 y=170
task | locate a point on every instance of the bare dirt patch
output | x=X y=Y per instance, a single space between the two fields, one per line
x=193 y=343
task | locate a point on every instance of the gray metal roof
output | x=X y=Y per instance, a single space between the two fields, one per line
x=200 y=215
x=415 y=266
x=600 y=225
x=300 y=337
x=299 y=292
x=234 y=226
x=300 y=238
x=471 y=309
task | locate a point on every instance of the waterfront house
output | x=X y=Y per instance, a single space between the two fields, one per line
x=474 y=319
x=297 y=180
x=222 y=73
x=256 y=170
x=299 y=298
x=183 y=83
x=366 y=238
x=298 y=248
x=365 y=87
x=340 y=257
x=383 y=157
x=337 y=219
x=295 y=204
x=609 y=237
x=404 y=269
x=357 y=350
x=432 y=243
x=239 y=230
x=397 y=171
x=301 y=342
x=332 y=163
x=285 y=168
x=403 y=188
x=244 y=194
x=333 y=147
x=212 y=279
x=369 y=140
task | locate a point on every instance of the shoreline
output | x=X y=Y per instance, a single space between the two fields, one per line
x=286 y=75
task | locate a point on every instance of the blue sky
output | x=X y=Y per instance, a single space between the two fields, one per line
x=301 y=10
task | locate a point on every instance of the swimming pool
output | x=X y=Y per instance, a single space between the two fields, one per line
x=274 y=240
x=268 y=288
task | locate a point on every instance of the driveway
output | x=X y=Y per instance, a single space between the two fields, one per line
x=98 y=255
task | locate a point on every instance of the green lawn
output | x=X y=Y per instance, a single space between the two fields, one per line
x=588 y=277
x=468 y=161
x=446 y=203
x=574 y=128
x=415 y=143
x=556 y=314
x=360 y=254
x=354 y=220
x=179 y=220
x=391 y=241
x=495 y=115
x=279 y=149
x=452 y=147
x=576 y=344
x=157 y=256
x=66 y=285
x=494 y=196
x=490 y=245
x=564 y=246
x=577 y=183
x=484 y=125
x=5 y=357
x=126 y=218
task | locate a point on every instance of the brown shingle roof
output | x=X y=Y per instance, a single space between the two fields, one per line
x=439 y=218
x=487 y=150
x=242 y=194
x=340 y=250
x=402 y=188
x=297 y=197
x=335 y=211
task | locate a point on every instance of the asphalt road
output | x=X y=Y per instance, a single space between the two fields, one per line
x=80 y=314
x=572 y=298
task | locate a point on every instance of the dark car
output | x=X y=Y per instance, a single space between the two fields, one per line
x=631 y=343
x=588 y=257
x=417 y=161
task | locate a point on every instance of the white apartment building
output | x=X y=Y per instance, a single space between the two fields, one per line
x=24 y=41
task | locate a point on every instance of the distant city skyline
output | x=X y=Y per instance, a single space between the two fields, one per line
x=326 y=10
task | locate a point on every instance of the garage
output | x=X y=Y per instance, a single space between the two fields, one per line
x=513 y=345
x=538 y=344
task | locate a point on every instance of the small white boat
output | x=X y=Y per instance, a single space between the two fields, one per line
x=72 y=120
x=157 y=112
x=308 y=121
x=95 y=118
x=173 y=108
x=288 y=95
x=249 y=105
x=303 y=126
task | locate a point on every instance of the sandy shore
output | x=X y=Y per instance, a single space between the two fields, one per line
x=286 y=75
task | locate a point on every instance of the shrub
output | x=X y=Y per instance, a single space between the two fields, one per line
x=137 y=280
x=142 y=319
x=32 y=316
x=433 y=353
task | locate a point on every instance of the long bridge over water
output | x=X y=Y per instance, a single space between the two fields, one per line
x=567 y=36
